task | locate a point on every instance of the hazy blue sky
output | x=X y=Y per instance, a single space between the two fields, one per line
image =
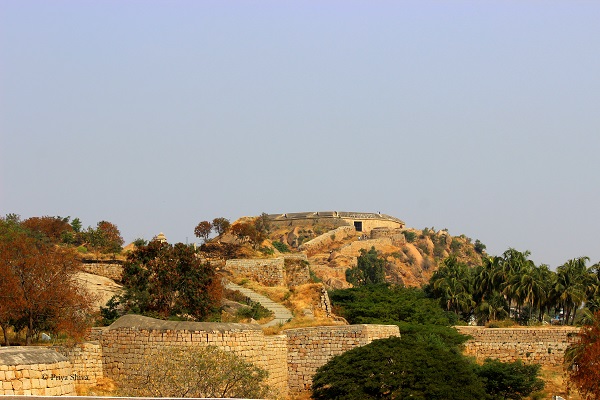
x=482 y=117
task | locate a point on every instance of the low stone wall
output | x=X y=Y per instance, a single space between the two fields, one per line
x=267 y=271
x=353 y=249
x=132 y=337
x=296 y=271
x=327 y=239
x=111 y=271
x=310 y=348
x=38 y=371
x=86 y=362
x=538 y=345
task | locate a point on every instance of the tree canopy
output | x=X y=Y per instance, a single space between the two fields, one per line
x=370 y=269
x=163 y=280
x=416 y=366
x=38 y=290
x=582 y=359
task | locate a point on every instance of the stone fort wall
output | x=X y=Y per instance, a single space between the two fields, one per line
x=310 y=348
x=35 y=371
x=327 y=239
x=111 y=271
x=131 y=338
x=280 y=271
x=86 y=362
x=540 y=345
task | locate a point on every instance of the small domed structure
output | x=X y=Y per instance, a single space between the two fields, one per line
x=161 y=238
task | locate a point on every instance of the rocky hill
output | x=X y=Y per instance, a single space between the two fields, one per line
x=332 y=247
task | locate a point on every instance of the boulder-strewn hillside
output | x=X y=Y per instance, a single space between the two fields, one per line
x=412 y=255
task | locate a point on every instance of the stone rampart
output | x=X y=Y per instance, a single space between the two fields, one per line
x=111 y=271
x=132 y=337
x=38 y=371
x=310 y=348
x=353 y=249
x=540 y=345
x=267 y=271
x=327 y=239
x=86 y=361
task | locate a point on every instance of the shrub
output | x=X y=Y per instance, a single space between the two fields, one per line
x=281 y=247
x=513 y=380
x=255 y=311
x=410 y=236
x=196 y=372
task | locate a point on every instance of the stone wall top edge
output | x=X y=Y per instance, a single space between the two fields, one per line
x=28 y=355
x=354 y=327
x=521 y=328
x=140 y=322
x=333 y=214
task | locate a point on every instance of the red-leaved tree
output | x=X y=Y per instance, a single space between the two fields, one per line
x=583 y=360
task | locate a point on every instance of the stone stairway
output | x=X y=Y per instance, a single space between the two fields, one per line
x=280 y=313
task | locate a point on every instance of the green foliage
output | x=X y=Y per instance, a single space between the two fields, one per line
x=255 y=311
x=76 y=225
x=105 y=238
x=513 y=380
x=370 y=269
x=410 y=236
x=313 y=277
x=479 y=247
x=420 y=367
x=281 y=247
x=221 y=225
x=455 y=245
x=163 y=280
x=382 y=304
x=266 y=250
x=139 y=242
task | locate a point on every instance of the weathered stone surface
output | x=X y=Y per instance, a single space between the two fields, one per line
x=538 y=345
x=19 y=356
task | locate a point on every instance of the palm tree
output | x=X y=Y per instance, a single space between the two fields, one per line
x=452 y=285
x=572 y=286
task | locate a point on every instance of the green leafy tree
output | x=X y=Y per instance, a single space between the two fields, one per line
x=221 y=225
x=76 y=225
x=479 y=247
x=370 y=269
x=384 y=304
x=452 y=283
x=105 y=238
x=513 y=380
x=415 y=366
x=163 y=280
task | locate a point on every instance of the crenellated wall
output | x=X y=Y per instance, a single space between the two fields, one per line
x=310 y=348
x=540 y=345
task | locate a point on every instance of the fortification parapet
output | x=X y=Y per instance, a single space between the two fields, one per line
x=35 y=371
x=538 y=345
